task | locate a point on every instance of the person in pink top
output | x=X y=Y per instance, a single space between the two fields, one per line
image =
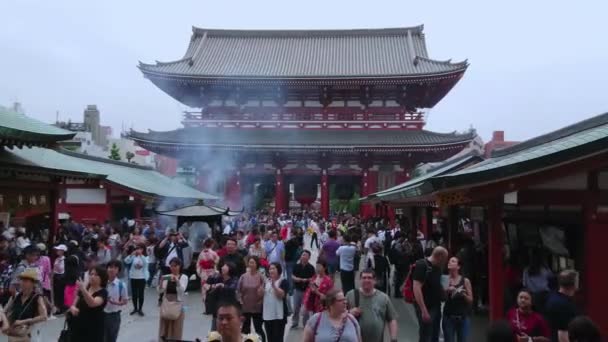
x=46 y=273
x=206 y=264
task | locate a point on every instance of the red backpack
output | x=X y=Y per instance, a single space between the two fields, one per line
x=408 y=288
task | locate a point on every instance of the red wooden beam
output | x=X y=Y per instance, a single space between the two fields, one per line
x=560 y=197
x=495 y=261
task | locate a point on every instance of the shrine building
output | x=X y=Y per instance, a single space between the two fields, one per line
x=320 y=109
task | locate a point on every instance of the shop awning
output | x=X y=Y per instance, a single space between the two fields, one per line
x=419 y=186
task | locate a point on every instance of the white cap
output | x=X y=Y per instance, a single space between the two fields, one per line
x=61 y=247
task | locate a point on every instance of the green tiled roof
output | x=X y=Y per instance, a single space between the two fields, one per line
x=137 y=178
x=418 y=186
x=564 y=145
x=18 y=129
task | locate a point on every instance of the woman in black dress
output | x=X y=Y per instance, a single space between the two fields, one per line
x=86 y=323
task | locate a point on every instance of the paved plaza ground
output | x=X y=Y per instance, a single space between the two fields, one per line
x=196 y=325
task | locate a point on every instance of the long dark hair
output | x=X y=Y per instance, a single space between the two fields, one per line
x=102 y=273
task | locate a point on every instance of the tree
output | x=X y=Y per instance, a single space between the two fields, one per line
x=129 y=155
x=114 y=152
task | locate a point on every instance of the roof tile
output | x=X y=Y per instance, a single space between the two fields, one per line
x=305 y=53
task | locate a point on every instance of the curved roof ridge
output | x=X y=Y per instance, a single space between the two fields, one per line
x=592 y=122
x=307 y=33
x=453 y=133
x=102 y=160
x=143 y=65
x=464 y=63
x=173 y=62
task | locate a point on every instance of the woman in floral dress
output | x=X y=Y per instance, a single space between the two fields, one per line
x=205 y=266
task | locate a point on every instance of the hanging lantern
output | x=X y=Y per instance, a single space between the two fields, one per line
x=344 y=191
x=305 y=193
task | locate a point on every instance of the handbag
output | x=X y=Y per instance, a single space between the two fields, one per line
x=170 y=310
x=210 y=302
x=64 y=335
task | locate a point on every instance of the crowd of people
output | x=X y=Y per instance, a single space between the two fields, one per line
x=254 y=273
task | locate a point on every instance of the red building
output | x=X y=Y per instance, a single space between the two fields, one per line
x=498 y=141
x=334 y=109
x=40 y=180
x=545 y=197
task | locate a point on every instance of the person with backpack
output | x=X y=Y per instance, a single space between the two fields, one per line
x=117 y=299
x=372 y=308
x=335 y=323
x=428 y=293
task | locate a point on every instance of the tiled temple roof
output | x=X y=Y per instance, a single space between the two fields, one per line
x=359 y=53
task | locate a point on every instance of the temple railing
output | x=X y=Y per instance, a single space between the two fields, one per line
x=304 y=114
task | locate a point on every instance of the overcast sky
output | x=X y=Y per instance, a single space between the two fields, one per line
x=535 y=65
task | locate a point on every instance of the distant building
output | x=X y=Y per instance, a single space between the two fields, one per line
x=140 y=156
x=497 y=142
x=99 y=134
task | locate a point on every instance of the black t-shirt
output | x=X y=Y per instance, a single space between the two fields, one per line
x=430 y=277
x=88 y=325
x=560 y=310
x=303 y=271
x=291 y=249
x=237 y=260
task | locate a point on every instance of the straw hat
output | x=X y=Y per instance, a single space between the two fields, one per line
x=214 y=336
x=29 y=273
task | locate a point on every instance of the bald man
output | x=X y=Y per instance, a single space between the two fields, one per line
x=428 y=293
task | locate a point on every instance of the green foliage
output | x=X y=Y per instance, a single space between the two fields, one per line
x=129 y=155
x=114 y=152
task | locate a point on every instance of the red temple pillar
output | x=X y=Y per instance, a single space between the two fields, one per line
x=233 y=190
x=54 y=215
x=495 y=261
x=108 y=200
x=324 y=194
x=368 y=186
x=202 y=181
x=279 y=196
x=594 y=283
x=138 y=205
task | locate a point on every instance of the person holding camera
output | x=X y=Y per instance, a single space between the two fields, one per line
x=456 y=311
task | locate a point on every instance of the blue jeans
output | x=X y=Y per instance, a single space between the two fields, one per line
x=456 y=328
x=298 y=296
x=429 y=331
x=289 y=266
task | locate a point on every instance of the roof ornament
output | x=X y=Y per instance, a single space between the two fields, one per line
x=410 y=47
x=198 y=49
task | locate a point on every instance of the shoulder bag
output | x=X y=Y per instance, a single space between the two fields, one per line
x=170 y=310
x=23 y=331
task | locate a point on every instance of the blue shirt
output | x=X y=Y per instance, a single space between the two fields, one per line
x=347 y=254
x=116 y=292
x=275 y=251
x=139 y=267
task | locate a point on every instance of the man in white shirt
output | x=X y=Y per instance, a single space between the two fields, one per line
x=117 y=298
x=227 y=229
